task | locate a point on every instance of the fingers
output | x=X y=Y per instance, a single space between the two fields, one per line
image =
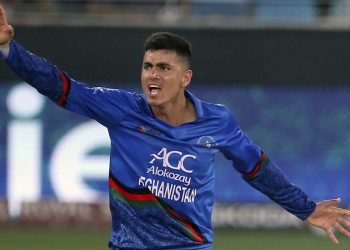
x=3 y=19
x=343 y=222
x=332 y=202
x=2 y=10
x=6 y=30
x=10 y=31
x=331 y=235
x=341 y=211
x=338 y=225
x=342 y=230
x=329 y=217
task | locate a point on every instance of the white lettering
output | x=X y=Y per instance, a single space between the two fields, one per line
x=24 y=147
x=71 y=165
x=168 y=190
x=181 y=163
x=170 y=175
x=142 y=181
x=164 y=155
x=166 y=159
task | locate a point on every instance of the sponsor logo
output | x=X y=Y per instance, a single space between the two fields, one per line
x=171 y=156
x=149 y=130
x=171 y=166
x=170 y=175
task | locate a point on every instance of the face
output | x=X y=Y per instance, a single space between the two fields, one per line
x=164 y=77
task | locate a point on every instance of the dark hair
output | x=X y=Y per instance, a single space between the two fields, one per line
x=169 y=41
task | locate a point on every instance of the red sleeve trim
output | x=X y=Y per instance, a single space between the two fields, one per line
x=66 y=85
x=257 y=168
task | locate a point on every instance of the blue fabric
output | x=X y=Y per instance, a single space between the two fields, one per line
x=174 y=163
x=272 y=182
x=35 y=70
x=147 y=228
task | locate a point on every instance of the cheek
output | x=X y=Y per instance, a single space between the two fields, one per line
x=173 y=88
x=143 y=78
x=143 y=82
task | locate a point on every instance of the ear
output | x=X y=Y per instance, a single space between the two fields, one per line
x=186 y=80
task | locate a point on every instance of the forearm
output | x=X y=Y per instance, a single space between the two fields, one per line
x=272 y=182
x=36 y=71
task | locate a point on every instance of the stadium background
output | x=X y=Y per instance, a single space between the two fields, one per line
x=283 y=71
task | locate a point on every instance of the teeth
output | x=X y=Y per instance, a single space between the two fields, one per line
x=154 y=89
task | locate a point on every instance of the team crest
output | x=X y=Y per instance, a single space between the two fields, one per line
x=206 y=141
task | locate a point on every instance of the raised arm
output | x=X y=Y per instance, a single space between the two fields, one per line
x=49 y=80
x=36 y=71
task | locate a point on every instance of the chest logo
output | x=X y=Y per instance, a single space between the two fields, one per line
x=173 y=159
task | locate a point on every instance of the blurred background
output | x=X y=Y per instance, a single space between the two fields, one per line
x=281 y=66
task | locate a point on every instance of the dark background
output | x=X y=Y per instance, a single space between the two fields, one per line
x=235 y=56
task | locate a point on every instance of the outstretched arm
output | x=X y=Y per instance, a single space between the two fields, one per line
x=325 y=215
x=328 y=217
x=6 y=30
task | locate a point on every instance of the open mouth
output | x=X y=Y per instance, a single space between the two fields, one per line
x=154 y=89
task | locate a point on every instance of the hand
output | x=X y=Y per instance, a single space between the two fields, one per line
x=6 y=30
x=329 y=217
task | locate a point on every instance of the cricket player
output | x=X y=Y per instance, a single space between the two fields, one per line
x=163 y=144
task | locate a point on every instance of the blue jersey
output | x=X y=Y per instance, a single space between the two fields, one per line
x=161 y=177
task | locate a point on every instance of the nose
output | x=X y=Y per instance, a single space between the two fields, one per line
x=154 y=74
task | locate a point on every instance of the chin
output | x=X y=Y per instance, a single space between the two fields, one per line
x=152 y=101
x=155 y=103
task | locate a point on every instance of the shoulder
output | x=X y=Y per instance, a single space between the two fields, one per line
x=216 y=110
x=104 y=92
x=133 y=99
x=220 y=115
x=107 y=95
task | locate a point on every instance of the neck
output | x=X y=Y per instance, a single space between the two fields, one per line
x=175 y=114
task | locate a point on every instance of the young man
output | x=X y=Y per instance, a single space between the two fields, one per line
x=163 y=144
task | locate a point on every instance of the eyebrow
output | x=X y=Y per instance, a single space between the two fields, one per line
x=160 y=64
